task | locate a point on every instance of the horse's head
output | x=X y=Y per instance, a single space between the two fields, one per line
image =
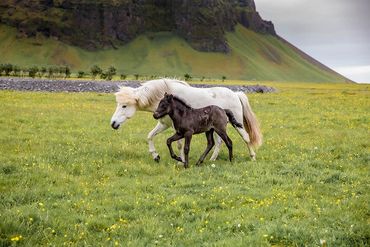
x=126 y=106
x=164 y=107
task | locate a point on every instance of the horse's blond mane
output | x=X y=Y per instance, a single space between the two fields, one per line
x=148 y=94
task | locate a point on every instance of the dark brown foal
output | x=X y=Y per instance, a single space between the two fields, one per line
x=189 y=121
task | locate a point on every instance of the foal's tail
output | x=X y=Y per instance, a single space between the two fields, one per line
x=250 y=121
x=232 y=119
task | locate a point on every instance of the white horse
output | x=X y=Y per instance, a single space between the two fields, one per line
x=147 y=97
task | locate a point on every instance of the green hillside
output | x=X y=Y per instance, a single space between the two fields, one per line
x=253 y=57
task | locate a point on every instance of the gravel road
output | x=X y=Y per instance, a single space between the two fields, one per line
x=48 y=85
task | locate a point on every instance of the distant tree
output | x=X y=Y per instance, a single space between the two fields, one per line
x=202 y=79
x=56 y=71
x=16 y=70
x=33 y=71
x=43 y=71
x=103 y=76
x=123 y=77
x=137 y=76
x=80 y=74
x=111 y=72
x=187 y=77
x=61 y=71
x=223 y=78
x=8 y=68
x=50 y=72
x=95 y=71
x=67 y=72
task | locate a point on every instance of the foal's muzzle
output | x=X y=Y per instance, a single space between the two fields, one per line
x=115 y=125
x=156 y=115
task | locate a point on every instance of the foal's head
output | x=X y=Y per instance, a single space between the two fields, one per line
x=164 y=107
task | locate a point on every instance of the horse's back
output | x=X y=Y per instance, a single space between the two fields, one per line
x=201 y=97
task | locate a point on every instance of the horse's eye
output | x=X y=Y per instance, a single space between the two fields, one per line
x=124 y=106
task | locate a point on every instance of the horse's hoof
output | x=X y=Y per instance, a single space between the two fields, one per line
x=157 y=159
x=253 y=158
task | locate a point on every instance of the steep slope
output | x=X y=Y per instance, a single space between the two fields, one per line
x=93 y=24
x=252 y=56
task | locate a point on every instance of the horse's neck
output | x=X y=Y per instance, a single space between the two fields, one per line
x=179 y=110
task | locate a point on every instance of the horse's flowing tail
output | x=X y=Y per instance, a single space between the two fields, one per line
x=232 y=119
x=250 y=121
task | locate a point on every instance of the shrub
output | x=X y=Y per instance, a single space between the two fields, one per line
x=187 y=77
x=67 y=71
x=223 y=78
x=43 y=71
x=123 y=76
x=33 y=71
x=136 y=76
x=80 y=74
x=96 y=70
x=111 y=72
x=8 y=68
x=16 y=70
x=50 y=72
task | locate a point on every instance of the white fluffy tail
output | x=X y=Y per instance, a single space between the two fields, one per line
x=250 y=121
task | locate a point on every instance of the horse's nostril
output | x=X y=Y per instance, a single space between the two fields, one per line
x=114 y=125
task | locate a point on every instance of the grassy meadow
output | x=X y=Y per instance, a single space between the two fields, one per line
x=253 y=56
x=68 y=179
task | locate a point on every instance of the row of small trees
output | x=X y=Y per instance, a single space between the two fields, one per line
x=34 y=71
x=65 y=72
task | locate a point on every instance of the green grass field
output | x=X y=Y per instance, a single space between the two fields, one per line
x=67 y=178
x=253 y=57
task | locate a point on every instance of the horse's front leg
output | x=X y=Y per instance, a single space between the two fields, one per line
x=180 y=147
x=160 y=127
x=173 y=138
x=217 y=148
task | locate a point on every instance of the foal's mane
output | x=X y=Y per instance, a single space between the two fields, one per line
x=183 y=102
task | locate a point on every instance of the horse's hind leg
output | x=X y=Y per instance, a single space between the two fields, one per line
x=244 y=134
x=188 y=137
x=217 y=148
x=210 y=144
x=227 y=140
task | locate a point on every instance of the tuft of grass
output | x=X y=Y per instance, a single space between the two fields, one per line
x=67 y=178
x=253 y=57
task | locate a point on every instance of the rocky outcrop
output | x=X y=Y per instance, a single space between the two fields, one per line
x=94 y=24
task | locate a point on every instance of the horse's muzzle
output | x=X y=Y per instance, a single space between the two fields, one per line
x=114 y=126
x=156 y=115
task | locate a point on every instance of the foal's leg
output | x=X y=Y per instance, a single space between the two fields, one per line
x=173 y=138
x=188 y=136
x=210 y=144
x=160 y=127
x=227 y=140
x=217 y=148
x=244 y=134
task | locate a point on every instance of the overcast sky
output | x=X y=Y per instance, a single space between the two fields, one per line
x=335 y=32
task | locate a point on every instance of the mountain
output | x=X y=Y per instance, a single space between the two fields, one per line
x=210 y=38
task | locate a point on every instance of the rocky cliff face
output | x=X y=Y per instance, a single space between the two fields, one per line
x=94 y=24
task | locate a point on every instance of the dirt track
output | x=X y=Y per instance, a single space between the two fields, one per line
x=48 y=85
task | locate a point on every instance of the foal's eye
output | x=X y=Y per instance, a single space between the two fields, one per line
x=124 y=106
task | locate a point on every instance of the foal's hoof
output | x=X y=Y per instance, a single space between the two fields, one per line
x=253 y=157
x=157 y=159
